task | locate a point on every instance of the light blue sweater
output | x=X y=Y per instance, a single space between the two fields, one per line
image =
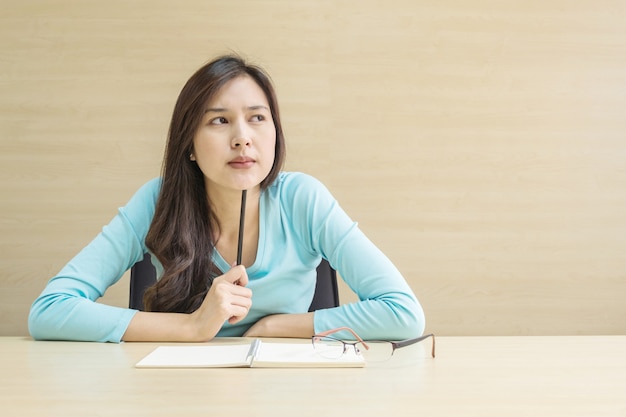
x=300 y=222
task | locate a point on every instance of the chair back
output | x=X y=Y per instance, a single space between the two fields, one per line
x=143 y=275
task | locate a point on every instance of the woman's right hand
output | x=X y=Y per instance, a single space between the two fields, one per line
x=228 y=299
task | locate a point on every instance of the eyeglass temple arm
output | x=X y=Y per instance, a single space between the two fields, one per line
x=409 y=342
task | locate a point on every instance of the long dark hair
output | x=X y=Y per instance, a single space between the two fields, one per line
x=182 y=230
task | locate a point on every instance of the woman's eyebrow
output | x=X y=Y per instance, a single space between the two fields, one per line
x=215 y=110
x=223 y=110
x=259 y=107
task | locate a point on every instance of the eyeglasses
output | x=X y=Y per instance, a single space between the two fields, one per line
x=372 y=350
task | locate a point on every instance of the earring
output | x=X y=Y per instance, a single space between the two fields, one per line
x=191 y=157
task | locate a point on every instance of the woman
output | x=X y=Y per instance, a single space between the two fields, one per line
x=225 y=136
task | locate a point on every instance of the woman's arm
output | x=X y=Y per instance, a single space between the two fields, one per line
x=283 y=325
x=227 y=300
x=67 y=308
x=387 y=307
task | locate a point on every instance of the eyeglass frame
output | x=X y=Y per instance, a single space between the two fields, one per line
x=394 y=344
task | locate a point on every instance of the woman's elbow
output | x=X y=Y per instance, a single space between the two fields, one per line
x=36 y=320
x=412 y=321
x=45 y=319
x=418 y=319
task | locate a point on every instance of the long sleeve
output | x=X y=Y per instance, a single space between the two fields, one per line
x=66 y=309
x=388 y=308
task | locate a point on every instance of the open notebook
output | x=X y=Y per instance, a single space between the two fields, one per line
x=255 y=354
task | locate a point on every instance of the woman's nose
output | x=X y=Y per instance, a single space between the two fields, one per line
x=241 y=136
x=239 y=141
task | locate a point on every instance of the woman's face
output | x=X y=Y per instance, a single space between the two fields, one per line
x=235 y=143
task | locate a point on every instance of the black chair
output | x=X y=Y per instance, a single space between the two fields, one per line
x=143 y=275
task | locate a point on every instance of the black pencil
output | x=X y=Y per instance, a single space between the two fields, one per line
x=242 y=217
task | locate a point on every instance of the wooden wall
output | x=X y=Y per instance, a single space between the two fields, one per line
x=480 y=144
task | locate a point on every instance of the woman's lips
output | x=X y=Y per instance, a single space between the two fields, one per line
x=241 y=162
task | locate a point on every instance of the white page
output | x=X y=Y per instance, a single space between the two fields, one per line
x=196 y=356
x=301 y=355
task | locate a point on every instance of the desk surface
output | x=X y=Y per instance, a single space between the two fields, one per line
x=471 y=376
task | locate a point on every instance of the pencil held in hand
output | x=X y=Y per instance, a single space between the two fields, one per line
x=242 y=217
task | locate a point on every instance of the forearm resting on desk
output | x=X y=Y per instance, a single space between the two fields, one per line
x=169 y=327
x=178 y=327
x=283 y=325
x=227 y=300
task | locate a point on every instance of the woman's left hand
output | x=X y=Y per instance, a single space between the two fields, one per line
x=283 y=325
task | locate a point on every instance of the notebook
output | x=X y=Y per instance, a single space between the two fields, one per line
x=256 y=354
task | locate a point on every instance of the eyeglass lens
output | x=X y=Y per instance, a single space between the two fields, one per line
x=328 y=347
x=332 y=348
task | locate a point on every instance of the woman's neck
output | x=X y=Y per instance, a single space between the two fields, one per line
x=227 y=208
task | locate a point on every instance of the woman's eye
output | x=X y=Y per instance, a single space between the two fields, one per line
x=258 y=118
x=218 y=121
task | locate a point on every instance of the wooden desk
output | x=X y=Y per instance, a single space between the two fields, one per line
x=471 y=376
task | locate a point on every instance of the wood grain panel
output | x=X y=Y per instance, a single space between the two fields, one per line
x=479 y=144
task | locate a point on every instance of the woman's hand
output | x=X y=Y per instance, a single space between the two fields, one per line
x=228 y=299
